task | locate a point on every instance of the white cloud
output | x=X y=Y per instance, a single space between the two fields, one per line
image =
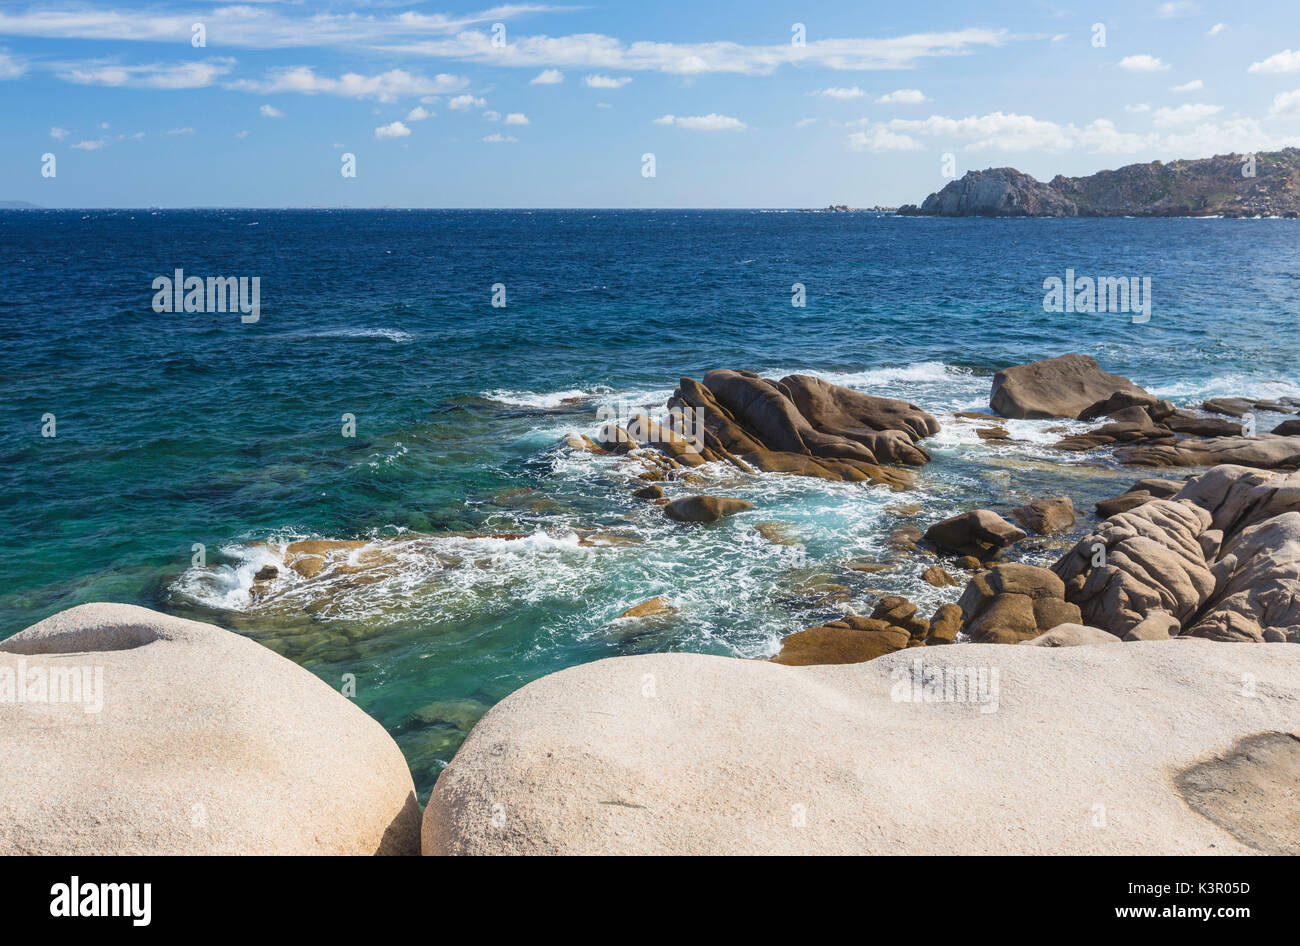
x=1194 y=86
x=804 y=122
x=1178 y=8
x=497 y=138
x=1285 y=105
x=94 y=144
x=242 y=134
x=1010 y=132
x=879 y=138
x=90 y=145
x=392 y=130
x=1183 y=114
x=1216 y=29
x=383 y=87
x=839 y=93
x=547 y=77
x=1140 y=107
x=418 y=114
x=1060 y=37
x=517 y=118
x=606 y=82
x=492 y=116
x=270 y=111
x=1143 y=63
x=58 y=134
x=11 y=68
x=1285 y=61
x=180 y=131
x=465 y=101
x=903 y=97
x=596 y=51
x=184 y=75
x=710 y=122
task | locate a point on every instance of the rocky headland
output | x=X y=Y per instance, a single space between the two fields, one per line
x=1208 y=187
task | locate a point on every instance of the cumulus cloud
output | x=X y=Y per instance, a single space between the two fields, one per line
x=903 y=97
x=547 y=77
x=383 y=87
x=710 y=122
x=517 y=118
x=1194 y=86
x=418 y=114
x=1285 y=61
x=58 y=134
x=392 y=130
x=606 y=82
x=840 y=93
x=879 y=138
x=1183 y=114
x=465 y=101
x=1143 y=63
x=270 y=111
x=1285 y=105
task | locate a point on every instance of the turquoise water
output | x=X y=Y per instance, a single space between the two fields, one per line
x=176 y=429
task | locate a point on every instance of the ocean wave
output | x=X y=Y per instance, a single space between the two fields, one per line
x=546 y=400
x=389 y=334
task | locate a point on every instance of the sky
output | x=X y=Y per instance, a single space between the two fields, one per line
x=755 y=104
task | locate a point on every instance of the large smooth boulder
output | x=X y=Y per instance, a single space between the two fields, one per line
x=1072 y=635
x=892 y=625
x=1046 y=516
x=205 y=743
x=1078 y=751
x=1064 y=386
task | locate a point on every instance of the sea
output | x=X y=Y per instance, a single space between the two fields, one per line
x=406 y=388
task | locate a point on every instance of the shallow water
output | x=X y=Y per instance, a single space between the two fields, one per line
x=181 y=429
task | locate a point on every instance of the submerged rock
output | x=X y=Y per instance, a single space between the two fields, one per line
x=704 y=508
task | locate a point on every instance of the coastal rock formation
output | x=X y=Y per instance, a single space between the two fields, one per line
x=1072 y=635
x=1140 y=492
x=695 y=754
x=1186 y=188
x=205 y=743
x=1264 y=451
x=978 y=532
x=1013 y=603
x=996 y=192
x=1220 y=559
x=799 y=424
x=1064 y=386
x=1138 y=561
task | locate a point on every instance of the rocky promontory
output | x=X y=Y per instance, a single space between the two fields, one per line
x=1227 y=185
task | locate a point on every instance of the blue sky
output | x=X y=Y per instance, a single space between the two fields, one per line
x=556 y=107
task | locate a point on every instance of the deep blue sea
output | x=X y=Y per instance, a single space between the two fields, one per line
x=177 y=429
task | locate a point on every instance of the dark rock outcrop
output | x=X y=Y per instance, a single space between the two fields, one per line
x=1014 y=602
x=978 y=532
x=704 y=508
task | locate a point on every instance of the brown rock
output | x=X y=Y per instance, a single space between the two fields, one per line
x=944 y=625
x=1046 y=516
x=1058 y=387
x=1014 y=602
x=653 y=491
x=973 y=532
x=704 y=508
x=936 y=576
x=656 y=606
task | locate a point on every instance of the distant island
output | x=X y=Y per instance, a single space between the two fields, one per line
x=18 y=205
x=1266 y=184
x=846 y=209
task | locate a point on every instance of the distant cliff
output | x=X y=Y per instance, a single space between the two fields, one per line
x=1208 y=187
